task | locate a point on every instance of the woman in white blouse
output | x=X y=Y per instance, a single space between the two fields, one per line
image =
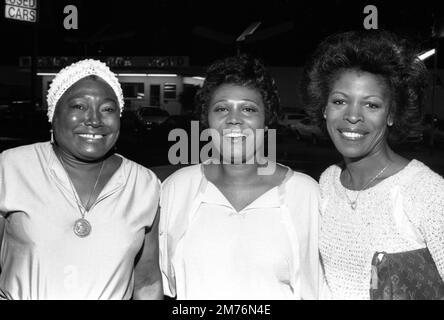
x=229 y=230
x=80 y=221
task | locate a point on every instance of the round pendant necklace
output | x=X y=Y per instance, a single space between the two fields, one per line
x=354 y=204
x=82 y=227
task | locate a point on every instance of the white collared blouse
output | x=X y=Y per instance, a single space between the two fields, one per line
x=268 y=250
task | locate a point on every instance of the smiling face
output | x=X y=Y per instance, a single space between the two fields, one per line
x=87 y=120
x=358 y=113
x=235 y=113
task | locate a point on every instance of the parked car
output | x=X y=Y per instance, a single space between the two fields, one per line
x=21 y=119
x=129 y=124
x=151 y=118
x=306 y=129
x=179 y=122
x=16 y=110
x=288 y=118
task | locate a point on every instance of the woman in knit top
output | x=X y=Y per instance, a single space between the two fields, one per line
x=369 y=87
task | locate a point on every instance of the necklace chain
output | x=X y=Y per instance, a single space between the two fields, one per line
x=354 y=203
x=82 y=209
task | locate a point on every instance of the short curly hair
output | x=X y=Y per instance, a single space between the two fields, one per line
x=375 y=51
x=239 y=70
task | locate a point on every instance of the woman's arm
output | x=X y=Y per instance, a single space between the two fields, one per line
x=2 y=219
x=425 y=206
x=2 y=228
x=147 y=276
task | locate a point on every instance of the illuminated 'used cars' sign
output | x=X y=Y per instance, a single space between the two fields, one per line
x=23 y=10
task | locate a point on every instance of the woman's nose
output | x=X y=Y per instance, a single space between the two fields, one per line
x=353 y=113
x=94 y=117
x=234 y=117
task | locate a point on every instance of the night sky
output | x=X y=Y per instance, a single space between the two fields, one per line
x=205 y=30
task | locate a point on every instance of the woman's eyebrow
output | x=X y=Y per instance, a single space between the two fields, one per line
x=240 y=100
x=110 y=100
x=373 y=96
x=86 y=96
x=235 y=102
x=338 y=92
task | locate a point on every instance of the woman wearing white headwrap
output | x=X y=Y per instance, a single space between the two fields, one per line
x=80 y=220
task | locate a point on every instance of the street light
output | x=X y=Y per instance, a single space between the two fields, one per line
x=247 y=32
x=426 y=54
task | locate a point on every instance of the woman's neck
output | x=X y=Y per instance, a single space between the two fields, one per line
x=358 y=172
x=236 y=174
x=71 y=162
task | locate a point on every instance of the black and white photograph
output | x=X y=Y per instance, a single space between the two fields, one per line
x=232 y=153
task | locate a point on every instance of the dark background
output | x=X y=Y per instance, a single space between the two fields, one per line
x=205 y=31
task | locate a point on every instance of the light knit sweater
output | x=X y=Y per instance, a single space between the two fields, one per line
x=348 y=239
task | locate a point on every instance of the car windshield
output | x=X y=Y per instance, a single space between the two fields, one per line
x=153 y=112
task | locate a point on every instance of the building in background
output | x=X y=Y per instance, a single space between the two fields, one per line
x=158 y=82
x=165 y=82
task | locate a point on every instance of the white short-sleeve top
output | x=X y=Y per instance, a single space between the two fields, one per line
x=41 y=257
x=268 y=250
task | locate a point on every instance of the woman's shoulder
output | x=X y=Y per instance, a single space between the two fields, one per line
x=184 y=175
x=25 y=153
x=422 y=190
x=302 y=179
x=301 y=195
x=180 y=188
x=329 y=175
x=139 y=171
x=420 y=179
x=300 y=182
x=26 y=148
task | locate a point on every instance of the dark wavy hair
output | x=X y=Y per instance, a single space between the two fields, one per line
x=379 y=52
x=239 y=70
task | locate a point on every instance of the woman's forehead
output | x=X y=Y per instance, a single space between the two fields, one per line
x=90 y=86
x=236 y=92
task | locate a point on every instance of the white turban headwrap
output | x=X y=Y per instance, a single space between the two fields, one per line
x=69 y=75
